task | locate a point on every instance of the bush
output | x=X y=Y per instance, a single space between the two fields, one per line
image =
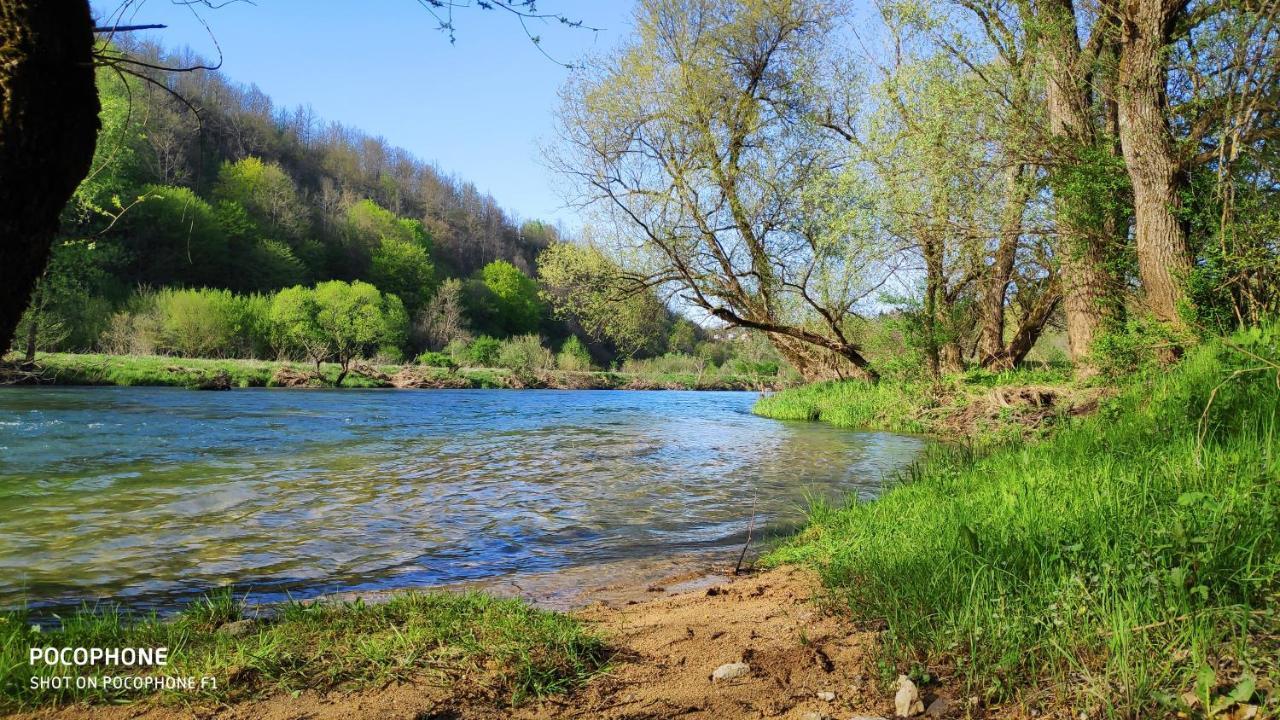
x=525 y=354
x=573 y=355
x=484 y=351
x=436 y=359
x=1142 y=345
x=198 y=323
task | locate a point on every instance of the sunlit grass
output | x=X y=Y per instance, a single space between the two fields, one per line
x=514 y=650
x=1128 y=560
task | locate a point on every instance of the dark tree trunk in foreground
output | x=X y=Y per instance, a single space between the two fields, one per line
x=48 y=128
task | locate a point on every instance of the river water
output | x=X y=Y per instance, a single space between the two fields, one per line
x=152 y=495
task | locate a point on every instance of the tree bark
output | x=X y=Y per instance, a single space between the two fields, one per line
x=1016 y=193
x=1164 y=260
x=48 y=129
x=1088 y=293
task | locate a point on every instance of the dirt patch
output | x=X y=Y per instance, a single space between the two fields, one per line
x=289 y=377
x=802 y=660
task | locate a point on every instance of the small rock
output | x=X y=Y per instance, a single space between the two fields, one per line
x=827 y=696
x=938 y=707
x=814 y=715
x=236 y=629
x=907 y=701
x=729 y=671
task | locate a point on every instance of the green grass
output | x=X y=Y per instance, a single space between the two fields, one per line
x=153 y=370
x=512 y=650
x=1127 y=566
x=909 y=406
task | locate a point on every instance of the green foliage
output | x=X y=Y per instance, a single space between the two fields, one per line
x=1129 y=550
x=573 y=355
x=582 y=284
x=325 y=646
x=1142 y=345
x=506 y=299
x=394 y=253
x=403 y=268
x=267 y=192
x=436 y=359
x=484 y=351
x=173 y=236
x=210 y=323
x=525 y=354
x=355 y=318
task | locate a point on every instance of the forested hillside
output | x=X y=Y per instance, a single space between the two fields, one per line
x=206 y=200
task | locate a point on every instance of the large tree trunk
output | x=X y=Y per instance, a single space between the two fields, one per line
x=996 y=285
x=1088 y=293
x=48 y=128
x=816 y=364
x=1164 y=260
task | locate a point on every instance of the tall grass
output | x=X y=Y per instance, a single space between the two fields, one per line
x=512 y=649
x=1128 y=566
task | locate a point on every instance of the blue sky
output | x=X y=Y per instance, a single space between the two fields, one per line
x=477 y=108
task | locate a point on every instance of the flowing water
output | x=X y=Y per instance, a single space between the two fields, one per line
x=151 y=495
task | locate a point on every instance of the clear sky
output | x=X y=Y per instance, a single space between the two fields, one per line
x=477 y=108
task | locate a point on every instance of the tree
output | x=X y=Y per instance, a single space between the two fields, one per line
x=356 y=318
x=269 y=195
x=173 y=236
x=696 y=137
x=48 y=130
x=295 y=328
x=582 y=284
x=444 y=319
x=507 y=299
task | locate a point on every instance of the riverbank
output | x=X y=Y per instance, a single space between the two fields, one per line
x=1128 y=565
x=203 y=373
x=800 y=659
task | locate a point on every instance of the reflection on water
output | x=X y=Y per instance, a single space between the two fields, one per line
x=152 y=494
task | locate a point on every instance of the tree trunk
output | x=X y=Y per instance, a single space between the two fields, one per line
x=48 y=128
x=816 y=364
x=1088 y=293
x=1016 y=193
x=1164 y=260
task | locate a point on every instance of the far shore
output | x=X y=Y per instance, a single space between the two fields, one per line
x=226 y=374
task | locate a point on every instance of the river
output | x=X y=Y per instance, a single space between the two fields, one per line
x=152 y=495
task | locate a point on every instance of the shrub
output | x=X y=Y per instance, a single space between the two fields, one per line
x=1140 y=346
x=483 y=351
x=198 y=323
x=573 y=355
x=436 y=359
x=525 y=354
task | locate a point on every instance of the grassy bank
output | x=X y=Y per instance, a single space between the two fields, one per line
x=978 y=405
x=1126 y=566
x=154 y=370
x=506 y=649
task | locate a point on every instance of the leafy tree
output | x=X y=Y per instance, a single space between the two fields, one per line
x=267 y=192
x=295 y=327
x=505 y=299
x=582 y=284
x=356 y=318
x=67 y=309
x=697 y=138
x=173 y=237
x=403 y=268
